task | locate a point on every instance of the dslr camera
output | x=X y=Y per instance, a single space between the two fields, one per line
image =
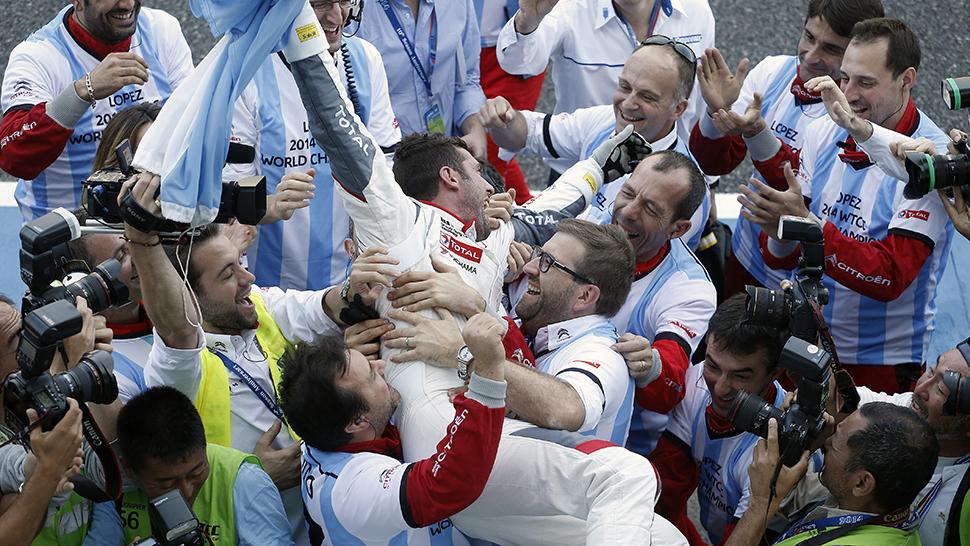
x=244 y=200
x=50 y=273
x=792 y=307
x=173 y=523
x=932 y=172
x=92 y=380
x=802 y=422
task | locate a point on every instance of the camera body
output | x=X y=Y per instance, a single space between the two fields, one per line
x=792 y=306
x=803 y=420
x=928 y=172
x=92 y=380
x=172 y=520
x=244 y=200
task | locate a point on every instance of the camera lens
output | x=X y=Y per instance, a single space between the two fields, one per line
x=101 y=288
x=767 y=307
x=92 y=380
x=958 y=400
x=931 y=172
x=750 y=413
x=956 y=92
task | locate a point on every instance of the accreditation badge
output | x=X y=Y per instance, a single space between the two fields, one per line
x=432 y=118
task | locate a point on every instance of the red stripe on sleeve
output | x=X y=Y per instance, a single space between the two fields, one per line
x=667 y=390
x=30 y=141
x=717 y=157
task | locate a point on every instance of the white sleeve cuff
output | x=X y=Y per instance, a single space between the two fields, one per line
x=763 y=145
x=707 y=126
x=655 y=371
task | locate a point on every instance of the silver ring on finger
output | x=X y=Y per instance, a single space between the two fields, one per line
x=407 y=343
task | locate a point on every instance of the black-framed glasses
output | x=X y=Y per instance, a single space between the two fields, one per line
x=681 y=48
x=547 y=260
x=327 y=5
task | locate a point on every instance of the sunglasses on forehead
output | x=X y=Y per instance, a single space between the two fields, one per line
x=681 y=48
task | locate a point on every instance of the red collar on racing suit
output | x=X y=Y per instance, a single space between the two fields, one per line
x=92 y=45
x=643 y=269
x=802 y=95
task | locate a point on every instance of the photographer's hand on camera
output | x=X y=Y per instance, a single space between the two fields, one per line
x=763 y=503
x=294 y=192
x=57 y=458
x=94 y=334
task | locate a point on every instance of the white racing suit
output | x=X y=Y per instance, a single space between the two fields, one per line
x=539 y=491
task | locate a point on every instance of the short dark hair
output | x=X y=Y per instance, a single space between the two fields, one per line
x=180 y=253
x=898 y=448
x=122 y=126
x=316 y=407
x=419 y=157
x=162 y=424
x=686 y=72
x=842 y=15
x=608 y=261
x=670 y=160
x=730 y=331
x=902 y=49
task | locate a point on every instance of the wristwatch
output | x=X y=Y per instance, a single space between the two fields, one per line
x=465 y=358
x=344 y=293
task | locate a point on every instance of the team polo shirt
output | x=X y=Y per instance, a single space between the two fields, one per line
x=724 y=488
x=578 y=352
x=305 y=252
x=588 y=43
x=576 y=135
x=787 y=119
x=867 y=205
x=49 y=61
x=674 y=301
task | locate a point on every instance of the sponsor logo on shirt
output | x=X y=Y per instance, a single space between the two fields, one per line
x=923 y=215
x=690 y=38
x=833 y=263
x=446 y=449
x=386 y=477
x=588 y=363
x=562 y=334
x=307 y=32
x=17 y=134
x=692 y=334
x=463 y=250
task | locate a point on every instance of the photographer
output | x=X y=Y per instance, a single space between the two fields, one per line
x=231 y=496
x=241 y=329
x=875 y=464
x=55 y=459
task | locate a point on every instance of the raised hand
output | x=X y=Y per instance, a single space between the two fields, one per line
x=838 y=107
x=116 y=71
x=530 y=14
x=621 y=153
x=749 y=124
x=293 y=192
x=719 y=86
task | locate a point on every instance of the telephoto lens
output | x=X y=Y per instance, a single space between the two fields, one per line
x=767 y=307
x=956 y=92
x=92 y=380
x=101 y=288
x=750 y=413
x=932 y=172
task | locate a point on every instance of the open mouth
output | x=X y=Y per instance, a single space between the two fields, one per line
x=122 y=17
x=533 y=288
x=630 y=119
x=245 y=302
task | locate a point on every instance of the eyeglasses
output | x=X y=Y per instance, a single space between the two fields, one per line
x=681 y=48
x=546 y=261
x=327 y=5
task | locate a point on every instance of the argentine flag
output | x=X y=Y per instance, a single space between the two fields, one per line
x=187 y=144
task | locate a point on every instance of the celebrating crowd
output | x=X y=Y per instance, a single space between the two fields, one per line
x=404 y=341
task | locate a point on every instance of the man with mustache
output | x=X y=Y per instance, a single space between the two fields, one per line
x=64 y=83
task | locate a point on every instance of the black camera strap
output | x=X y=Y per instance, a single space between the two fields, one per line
x=844 y=384
x=109 y=463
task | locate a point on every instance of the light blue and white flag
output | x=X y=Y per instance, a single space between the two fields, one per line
x=187 y=144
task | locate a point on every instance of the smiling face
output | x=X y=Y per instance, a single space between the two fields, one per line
x=551 y=294
x=475 y=191
x=820 y=50
x=332 y=15
x=102 y=246
x=366 y=377
x=223 y=286
x=726 y=374
x=646 y=205
x=645 y=95
x=869 y=86
x=108 y=20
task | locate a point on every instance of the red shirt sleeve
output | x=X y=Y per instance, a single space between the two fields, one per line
x=447 y=482
x=667 y=390
x=717 y=157
x=679 y=476
x=881 y=270
x=773 y=168
x=778 y=262
x=30 y=141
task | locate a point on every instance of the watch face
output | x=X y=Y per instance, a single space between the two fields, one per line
x=465 y=355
